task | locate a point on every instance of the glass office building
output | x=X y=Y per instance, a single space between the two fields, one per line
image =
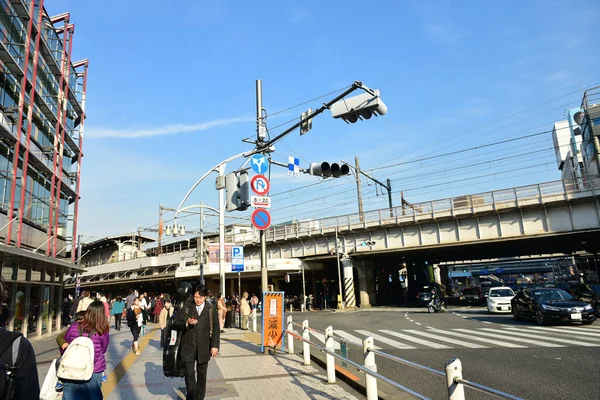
x=42 y=102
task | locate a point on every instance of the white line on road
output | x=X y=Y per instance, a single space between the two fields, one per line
x=533 y=336
x=487 y=322
x=480 y=339
x=351 y=338
x=321 y=338
x=385 y=340
x=565 y=331
x=529 y=341
x=445 y=339
x=416 y=340
x=418 y=323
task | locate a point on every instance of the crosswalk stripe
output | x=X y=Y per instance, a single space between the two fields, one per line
x=351 y=338
x=569 y=335
x=529 y=341
x=566 y=331
x=416 y=340
x=385 y=340
x=531 y=336
x=321 y=337
x=445 y=339
x=480 y=339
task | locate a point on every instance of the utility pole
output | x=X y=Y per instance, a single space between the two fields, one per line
x=264 y=282
x=202 y=245
x=358 y=188
x=158 y=250
x=337 y=256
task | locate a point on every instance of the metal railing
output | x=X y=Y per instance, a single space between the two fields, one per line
x=453 y=369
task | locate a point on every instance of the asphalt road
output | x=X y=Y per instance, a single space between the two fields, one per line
x=520 y=358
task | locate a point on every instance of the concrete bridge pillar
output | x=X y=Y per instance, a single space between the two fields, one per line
x=366 y=283
x=348 y=282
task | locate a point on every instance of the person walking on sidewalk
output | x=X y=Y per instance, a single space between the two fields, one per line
x=158 y=307
x=96 y=326
x=85 y=301
x=198 y=320
x=222 y=309
x=134 y=321
x=117 y=311
x=245 y=311
x=25 y=384
x=165 y=314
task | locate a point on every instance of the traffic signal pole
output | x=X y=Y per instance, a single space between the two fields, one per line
x=264 y=282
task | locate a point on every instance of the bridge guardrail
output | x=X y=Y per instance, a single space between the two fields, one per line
x=541 y=193
x=453 y=368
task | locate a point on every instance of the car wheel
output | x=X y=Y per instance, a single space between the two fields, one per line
x=515 y=314
x=539 y=318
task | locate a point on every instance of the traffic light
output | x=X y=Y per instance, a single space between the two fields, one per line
x=306 y=123
x=237 y=191
x=287 y=278
x=358 y=107
x=368 y=243
x=326 y=170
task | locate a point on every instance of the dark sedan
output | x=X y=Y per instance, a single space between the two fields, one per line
x=547 y=305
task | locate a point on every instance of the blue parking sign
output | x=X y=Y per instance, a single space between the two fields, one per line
x=237 y=259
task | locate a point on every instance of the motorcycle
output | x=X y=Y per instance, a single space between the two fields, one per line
x=434 y=306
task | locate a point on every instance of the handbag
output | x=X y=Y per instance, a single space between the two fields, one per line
x=48 y=391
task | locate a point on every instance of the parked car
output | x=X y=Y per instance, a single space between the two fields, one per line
x=472 y=295
x=498 y=299
x=583 y=292
x=424 y=296
x=547 y=305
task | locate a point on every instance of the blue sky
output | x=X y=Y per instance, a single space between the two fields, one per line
x=171 y=94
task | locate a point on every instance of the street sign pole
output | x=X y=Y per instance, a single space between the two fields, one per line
x=263 y=239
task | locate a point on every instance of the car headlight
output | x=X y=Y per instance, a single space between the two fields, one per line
x=550 y=308
x=588 y=307
x=491 y=301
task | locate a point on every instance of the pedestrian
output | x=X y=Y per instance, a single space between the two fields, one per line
x=85 y=301
x=158 y=306
x=222 y=309
x=117 y=311
x=134 y=321
x=104 y=301
x=62 y=346
x=165 y=314
x=245 y=311
x=229 y=313
x=130 y=299
x=24 y=383
x=144 y=308
x=96 y=326
x=198 y=320
x=254 y=301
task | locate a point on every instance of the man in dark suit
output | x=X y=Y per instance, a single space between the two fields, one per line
x=199 y=322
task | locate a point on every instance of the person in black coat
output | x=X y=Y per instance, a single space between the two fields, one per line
x=199 y=322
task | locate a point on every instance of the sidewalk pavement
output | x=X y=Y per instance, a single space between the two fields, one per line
x=240 y=371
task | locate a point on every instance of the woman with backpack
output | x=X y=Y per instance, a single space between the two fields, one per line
x=94 y=326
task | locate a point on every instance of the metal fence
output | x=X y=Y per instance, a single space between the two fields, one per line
x=455 y=382
x=538 y=194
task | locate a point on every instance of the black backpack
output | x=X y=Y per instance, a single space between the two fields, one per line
x=10 y=341
x=131 y=318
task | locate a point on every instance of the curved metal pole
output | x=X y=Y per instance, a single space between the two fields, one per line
x=199 y=206
x=217 y=168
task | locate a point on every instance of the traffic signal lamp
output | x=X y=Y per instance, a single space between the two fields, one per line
x=368 y=243
x=327 y=170
x=358 y=107
x=237 y=191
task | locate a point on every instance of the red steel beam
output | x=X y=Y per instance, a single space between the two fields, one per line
x=79 y=156
x=70 y=30
x=29 y=124
x=61 y=99
x=17 y=149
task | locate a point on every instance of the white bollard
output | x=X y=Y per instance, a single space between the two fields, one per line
x=370 y=364
x=291 y=308
x=290 y=328
x=254 y=320
x=456 y=391
x=328 y=357
x=305 y=346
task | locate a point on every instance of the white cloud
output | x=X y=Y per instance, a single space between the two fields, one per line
x=101 y=133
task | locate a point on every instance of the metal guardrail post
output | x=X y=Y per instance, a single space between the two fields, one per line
x=456 y=391
x=328 y=357
x=370 y=364
x=254 y=320
x=305 y=345
x=290 y=328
